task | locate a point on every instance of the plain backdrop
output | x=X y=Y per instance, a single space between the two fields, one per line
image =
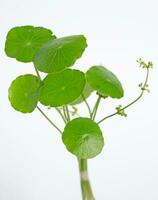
x=34 y=164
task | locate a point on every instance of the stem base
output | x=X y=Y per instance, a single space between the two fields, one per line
x=87 y=193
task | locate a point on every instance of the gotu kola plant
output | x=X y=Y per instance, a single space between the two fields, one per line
x=63 y=88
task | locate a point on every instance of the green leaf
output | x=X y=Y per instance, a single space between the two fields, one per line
x=60 y=53
x=83 y=137
x=24 y=92
x=62 y=88
x=104 y=82
x=23 y=42
x=85 y=94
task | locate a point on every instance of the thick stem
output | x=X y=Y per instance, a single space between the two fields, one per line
x=87 y=193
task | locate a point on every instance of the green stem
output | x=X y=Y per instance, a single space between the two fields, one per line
x=94 y=112
x=67 y=112
x=38 y=74
x=61 y=114
x=89 y=109
x=49 y=120
x=87 y=193
x=131 y=103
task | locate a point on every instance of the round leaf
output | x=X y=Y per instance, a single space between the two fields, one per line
x=60 y=53
x=104 y=82
x=61 y=88
x=83 y=137
x=23 y=42
x=24 y=92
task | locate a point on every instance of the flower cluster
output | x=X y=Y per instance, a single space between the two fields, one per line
x=144 y=87
x=143 y=64
x=121 y=111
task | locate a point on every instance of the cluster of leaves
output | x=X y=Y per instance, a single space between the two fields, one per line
x=62 y=86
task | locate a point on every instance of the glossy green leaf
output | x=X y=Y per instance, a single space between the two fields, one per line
x=62 y=88
x=83 y=138
x=24 y=92
x=104 y=82
x=85 y=94
x=23 y=42
x=60 y=53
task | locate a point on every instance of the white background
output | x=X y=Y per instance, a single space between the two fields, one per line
x=34 y=164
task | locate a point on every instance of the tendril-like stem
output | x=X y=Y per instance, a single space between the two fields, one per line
x=131 y=103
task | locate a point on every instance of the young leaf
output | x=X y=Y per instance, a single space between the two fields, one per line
x=83 y=137
x=60 y=53
x=23 y=42
x=85 y=94
x=23 y=93
x=104 y=82
x=62 y=88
